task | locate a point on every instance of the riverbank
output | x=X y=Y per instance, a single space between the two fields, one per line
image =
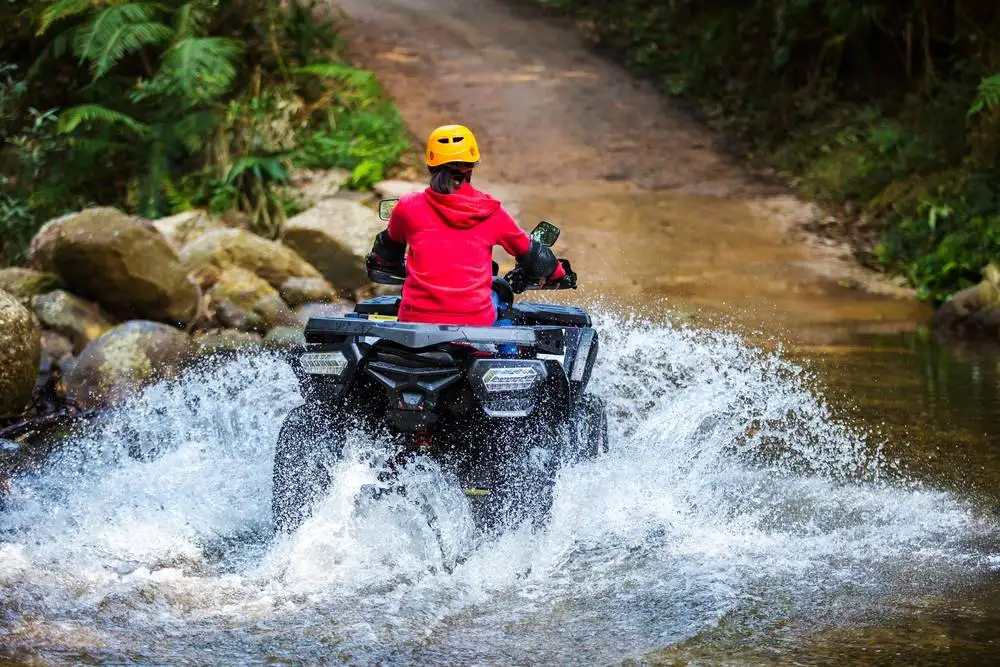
x=889 y=118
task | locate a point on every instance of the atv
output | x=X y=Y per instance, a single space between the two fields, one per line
x=500 y=408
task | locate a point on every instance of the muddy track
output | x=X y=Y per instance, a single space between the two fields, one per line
x=548 y=109
x=655 y=208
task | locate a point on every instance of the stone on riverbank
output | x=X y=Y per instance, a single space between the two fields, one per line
x=335 y=236
x=973 y=312
x=272 y=261
x=126 y=359
x=26 y=283
x=20 y=352
x=244 y=301
x=119 y=261
x=70 y=316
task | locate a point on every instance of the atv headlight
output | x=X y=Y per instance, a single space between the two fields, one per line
x=510 y=378
x=323 y=363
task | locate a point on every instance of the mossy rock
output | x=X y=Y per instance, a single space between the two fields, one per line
x=71 y=316
x=121 y=262
x=244 y=301
x=125 y=360
x=26 y=283
x=20 y=353
x=270 y=260
x=298 y=291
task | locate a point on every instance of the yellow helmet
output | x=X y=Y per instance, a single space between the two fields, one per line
x=451 y=143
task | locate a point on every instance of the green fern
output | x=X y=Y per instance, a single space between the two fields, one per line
x=200 y=68
x=987 y=97
x=193 y=18
x=336 y=71
x=115 y=32
x=62 y=9
x=71 y=118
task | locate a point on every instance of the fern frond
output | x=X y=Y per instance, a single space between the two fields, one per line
x=200 y=68
x=192 y=18
x=337 y=71
x=192 y=129
x=62 y=9
x=987 y=97
x=115 y=32
x=71 y=118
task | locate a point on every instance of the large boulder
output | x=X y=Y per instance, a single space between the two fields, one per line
x=181 y=229
x=20 y=350
x=272 y=261
x=121 y=262
x=335 y=236
x=315 y=185
x=26 y=283
x=244 y=301
x=70 y=316
x=125 y=360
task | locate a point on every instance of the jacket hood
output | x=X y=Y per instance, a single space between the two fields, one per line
x=464 y=208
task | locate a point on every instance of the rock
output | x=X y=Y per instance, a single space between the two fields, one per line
x=316 y=185
x=26 y=283
x=42 y=245
x=335 y=236
x=20 y=352
x=394 y=189
x=71 y=316
x=320 y=310
x=244 y=301
x=181 y=229
x=121 y=262
x=126 y=359
x=974 y=311
x=284 y=337
x=56 y=345
x=297 y=291
x=270 y=260
x=227 y=341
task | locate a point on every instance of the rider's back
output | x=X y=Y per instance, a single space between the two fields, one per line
x=449 y=263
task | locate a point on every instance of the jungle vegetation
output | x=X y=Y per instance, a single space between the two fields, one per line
x=158 y=107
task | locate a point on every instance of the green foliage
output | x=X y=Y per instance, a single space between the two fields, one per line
x=165 y=105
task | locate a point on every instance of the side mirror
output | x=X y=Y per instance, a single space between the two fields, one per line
x=545 y=233
x=385 y=208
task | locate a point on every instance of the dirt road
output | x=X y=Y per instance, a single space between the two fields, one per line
x=654 y=210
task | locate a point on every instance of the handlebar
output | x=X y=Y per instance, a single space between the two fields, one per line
x=395 y=274
x=520 y=283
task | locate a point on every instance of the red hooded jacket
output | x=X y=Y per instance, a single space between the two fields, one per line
x=449 y=267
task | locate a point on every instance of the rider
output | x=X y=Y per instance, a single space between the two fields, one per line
x=451 y=229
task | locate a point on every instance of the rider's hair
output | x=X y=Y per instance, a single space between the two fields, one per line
x=447 y=178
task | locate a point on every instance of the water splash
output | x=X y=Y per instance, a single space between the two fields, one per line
x=730 y=498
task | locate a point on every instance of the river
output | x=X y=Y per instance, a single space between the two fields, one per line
x=798 y=473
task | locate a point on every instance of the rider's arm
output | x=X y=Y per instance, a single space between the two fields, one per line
x=390 y=245
x=535 y=259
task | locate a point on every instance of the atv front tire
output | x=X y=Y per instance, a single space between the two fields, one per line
x=588 y=428
x=309 y=443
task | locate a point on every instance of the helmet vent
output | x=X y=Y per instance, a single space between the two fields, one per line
x=457 y=140
x=444 y=140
